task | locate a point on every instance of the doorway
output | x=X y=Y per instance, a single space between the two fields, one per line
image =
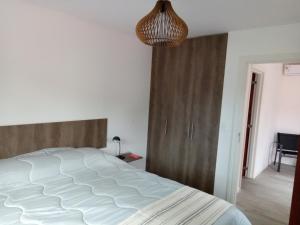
x=265 y=195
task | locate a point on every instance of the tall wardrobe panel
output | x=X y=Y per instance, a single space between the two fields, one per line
x=185 y=105
x=168 y=91
x=161 y=100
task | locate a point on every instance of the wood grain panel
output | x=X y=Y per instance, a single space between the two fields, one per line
x=208 y=68
x=160 y=102
x=295 y=209
x=20 y=139
x=186 y=88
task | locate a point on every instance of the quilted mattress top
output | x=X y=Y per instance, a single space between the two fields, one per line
x=74 y=187
x=66 y=186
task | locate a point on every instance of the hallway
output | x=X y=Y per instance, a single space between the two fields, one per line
x=267 y=199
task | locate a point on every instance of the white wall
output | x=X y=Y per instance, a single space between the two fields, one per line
x=273 y=44
x=288 y=118
x=55 y=67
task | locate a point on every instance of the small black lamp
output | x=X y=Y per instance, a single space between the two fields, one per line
x=117 y=139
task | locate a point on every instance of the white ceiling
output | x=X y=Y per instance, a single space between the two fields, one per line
x=202 y=16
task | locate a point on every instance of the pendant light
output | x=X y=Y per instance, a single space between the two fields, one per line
x=162 y=27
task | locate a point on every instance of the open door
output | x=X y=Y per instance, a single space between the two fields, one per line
x=249 y=122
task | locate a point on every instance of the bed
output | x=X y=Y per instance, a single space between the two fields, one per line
x=76 y=186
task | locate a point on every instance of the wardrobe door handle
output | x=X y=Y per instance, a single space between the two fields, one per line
x=166 y=127
x=192 y=132
x=189 y=132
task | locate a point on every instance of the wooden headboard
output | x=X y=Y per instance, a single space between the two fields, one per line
x=20 y=139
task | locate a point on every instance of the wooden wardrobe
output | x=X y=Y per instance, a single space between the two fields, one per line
x=185 y=107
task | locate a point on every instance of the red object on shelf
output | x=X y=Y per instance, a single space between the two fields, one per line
x=134 y=156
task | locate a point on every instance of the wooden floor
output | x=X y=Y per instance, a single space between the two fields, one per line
x=267 y=199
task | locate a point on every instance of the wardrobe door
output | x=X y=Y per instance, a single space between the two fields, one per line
x=170 y=106
x=161 y=105
x=208 y=66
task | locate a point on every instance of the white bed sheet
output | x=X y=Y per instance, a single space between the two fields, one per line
x=80 y=186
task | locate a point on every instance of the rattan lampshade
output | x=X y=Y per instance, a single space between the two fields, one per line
x=162 y=26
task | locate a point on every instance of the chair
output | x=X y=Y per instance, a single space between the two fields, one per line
x=287 y=146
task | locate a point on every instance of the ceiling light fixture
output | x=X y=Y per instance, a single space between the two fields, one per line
x=162 y=27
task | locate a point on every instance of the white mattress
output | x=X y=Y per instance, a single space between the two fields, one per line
x=80 y=186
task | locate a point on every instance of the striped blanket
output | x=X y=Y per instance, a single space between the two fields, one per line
x=186 y=206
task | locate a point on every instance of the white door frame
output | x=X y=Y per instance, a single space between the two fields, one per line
x=236 y=150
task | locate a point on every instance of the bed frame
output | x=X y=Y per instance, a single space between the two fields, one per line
x=20 y=139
